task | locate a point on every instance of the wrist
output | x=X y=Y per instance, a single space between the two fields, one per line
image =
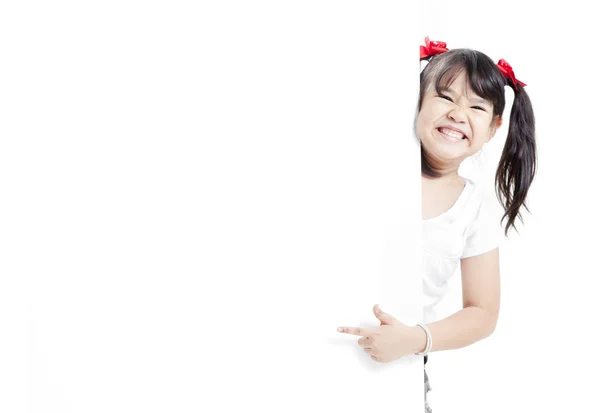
x=419 y=339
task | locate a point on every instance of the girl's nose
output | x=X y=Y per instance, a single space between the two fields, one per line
x=457 y=115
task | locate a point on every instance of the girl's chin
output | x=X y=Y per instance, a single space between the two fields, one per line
x=446 y=153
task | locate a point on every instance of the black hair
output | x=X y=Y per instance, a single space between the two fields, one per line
x=518 y=162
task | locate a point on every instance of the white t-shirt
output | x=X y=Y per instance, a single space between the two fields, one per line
x=470 y=227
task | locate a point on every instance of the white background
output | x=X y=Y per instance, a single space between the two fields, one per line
x=543 y=355
x=195 y=197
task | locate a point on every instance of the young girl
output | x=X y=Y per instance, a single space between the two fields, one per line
x=460 y=108
x=461 y=104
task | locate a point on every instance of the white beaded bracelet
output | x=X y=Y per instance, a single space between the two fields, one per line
x=428 y=346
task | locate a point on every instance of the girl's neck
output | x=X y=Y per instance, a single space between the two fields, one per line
x=447 y=177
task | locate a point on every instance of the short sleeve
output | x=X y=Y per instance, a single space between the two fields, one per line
x=485 y=231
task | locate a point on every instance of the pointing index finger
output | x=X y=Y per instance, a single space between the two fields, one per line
x=357 y=331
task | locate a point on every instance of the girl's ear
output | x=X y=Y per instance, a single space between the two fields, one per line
x=496 y=124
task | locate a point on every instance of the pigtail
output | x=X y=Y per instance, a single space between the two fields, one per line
x=518 y=162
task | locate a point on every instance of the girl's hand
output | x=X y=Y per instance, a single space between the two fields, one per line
x=391 y=341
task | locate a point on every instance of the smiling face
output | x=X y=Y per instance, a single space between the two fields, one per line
x=454 y=124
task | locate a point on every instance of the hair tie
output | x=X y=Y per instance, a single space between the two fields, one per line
x=432 y=48
x=507 y=71
x=435 y=47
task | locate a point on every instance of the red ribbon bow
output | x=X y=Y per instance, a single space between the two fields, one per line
x=432 y=48
x=507 y=70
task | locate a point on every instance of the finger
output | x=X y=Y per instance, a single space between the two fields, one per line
x=364 y=341
x=357 y=331
x=385 y=318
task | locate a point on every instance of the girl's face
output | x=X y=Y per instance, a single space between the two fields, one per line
x=455 y=124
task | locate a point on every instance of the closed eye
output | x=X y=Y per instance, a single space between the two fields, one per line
x=479 y=108
x=445 y=97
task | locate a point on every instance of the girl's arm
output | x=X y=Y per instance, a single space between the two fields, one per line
x=481 y=305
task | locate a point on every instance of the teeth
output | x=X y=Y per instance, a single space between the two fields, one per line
x=452 y=134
